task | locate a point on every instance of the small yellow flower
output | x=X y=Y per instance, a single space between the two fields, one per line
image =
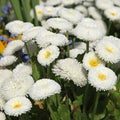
x=2 y=47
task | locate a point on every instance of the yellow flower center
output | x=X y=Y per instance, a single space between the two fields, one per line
x=102 y=76
x=39 y=12
x=17 y=105
x=113 y=13
x=47 y=54
x=2 y=47
x=110 y=49
x=94 y=62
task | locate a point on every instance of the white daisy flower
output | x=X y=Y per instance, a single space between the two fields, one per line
x=50 y=11
x=2 y=116
x=32 y=33
x=71 y=2
x=88 y=30
x=59 y=23
x=13 y=47
x=43 y=33
x=48 y=55
x=4 y=74
x=71 y=15
x=112 y=39
x=23 y=68
x=17 y=85
x=17 y=106
x=53 y=2
x=39 y=12
x=103 y=26
x=18 y=27
x=82 y=10
x=90 y=61
x=94 y=13
x=116 y=2
x=108 y=51
x=52 y=39
x=44 y=24
x=88 y=3
x=75 y=52
x=103 y=4
x=102 y=78
x=2 y=102
x=7 y=60
x=113 y=13
x=44 y=88
x=75 y=73
x=80 y=46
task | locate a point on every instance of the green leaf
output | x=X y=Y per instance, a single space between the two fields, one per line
x=64 y=112
x=26 y=10
x=36 y=71
x=17 y=9
x=53 y=112
x=78 y=101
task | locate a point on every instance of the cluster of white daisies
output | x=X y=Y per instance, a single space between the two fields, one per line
x=49 y=42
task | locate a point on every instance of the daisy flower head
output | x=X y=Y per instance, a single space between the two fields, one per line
x=50 y=11
x=18 y=27
x=32 y=33
x=13 y=47
x=17 y=106
x=103 y=26
x=82 y=9
x=94 y=13
x=2 y=116
x=108 y=51
x=53 y=2
x=90 y=61
x=88 y=3
x=112 y=13
x=52 y=39
x=75 y=52
x=103 y=4
x=80 y=46
x=59 y=23
x=17 y=85
x=88 y=30
x=71 y=15
x=4 y=74
x=48 y=55
x=23 y=68
x=116 y=2
x=71 y=2
x=2 y=102
x=39 y=12
x=44 y=88
x=102 y=78
x=7 y=60
x=112 y=39
x=77 y=73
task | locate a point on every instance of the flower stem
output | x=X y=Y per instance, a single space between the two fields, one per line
x=95 y=105
x=109 y=27
x=85 y=98
x=87 y=46
x=68 y=47
x=48 y=71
